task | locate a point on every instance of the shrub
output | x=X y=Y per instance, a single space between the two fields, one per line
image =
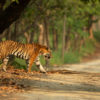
x=72 y=57
x=97 y=36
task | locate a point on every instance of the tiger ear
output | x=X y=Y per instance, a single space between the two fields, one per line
x=47 y=48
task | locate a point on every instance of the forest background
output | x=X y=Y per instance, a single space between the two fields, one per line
x=71 y=28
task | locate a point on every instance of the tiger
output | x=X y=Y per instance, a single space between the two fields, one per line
x=30 y=52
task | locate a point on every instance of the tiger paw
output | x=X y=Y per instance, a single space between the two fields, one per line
x=4 y=67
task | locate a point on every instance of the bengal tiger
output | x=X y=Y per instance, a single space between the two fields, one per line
x=29 y=52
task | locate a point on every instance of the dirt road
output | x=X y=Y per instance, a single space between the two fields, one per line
x=74 y=82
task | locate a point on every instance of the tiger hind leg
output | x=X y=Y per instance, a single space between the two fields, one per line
x=27 y=62
x=5 y=62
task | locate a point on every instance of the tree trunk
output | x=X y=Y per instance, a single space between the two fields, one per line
x=67 y=39
x=31 y=38
x=90 y=26
x=76 y=42
x=4 y=34
x=63 y=37
x=41 y=35
x=33 y=32
x=55 y=39
x=14 y=34
x=46 y=31
x=46 y=37
x=8 y=34
x=27 y=36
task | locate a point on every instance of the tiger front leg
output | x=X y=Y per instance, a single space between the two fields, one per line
x=37 y=62
x=30 y=63
x=4 y=65
x=39 y=65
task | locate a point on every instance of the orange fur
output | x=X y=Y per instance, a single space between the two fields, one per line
x=30 y=51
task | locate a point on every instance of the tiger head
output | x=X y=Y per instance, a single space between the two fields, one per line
x=46 y=52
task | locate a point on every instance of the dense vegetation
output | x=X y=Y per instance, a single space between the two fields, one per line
x=69 y=27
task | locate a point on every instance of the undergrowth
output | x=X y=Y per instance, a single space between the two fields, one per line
x=97 y=36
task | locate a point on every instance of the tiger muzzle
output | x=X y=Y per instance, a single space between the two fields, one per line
x=47 y=56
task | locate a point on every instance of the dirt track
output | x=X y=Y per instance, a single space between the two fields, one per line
x=55 y=85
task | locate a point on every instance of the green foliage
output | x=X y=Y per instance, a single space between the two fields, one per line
x=21 y=64
x=3 y=39
x=8 y=2
x=72 y=57
x=97 y=35
x=56 y=59
x=17 y=1
x=87 y=48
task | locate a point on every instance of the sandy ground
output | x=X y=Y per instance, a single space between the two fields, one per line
x=91 y=67
x=68 y=82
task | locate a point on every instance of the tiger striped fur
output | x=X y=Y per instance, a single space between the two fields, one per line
x=29 y=52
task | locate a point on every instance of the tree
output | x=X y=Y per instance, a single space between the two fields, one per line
x=63 y=37
x=91 y=10
x=11 y=13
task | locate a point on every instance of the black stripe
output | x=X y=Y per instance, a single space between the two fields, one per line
x=20 y=54
x=14 y=51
